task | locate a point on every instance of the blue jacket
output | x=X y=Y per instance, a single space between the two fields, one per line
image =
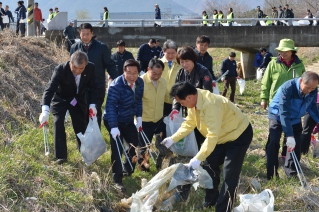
x=20 y=11
x=258 y=59
x=157 y=13
x=122 y=103
x=144 y=55
x=289 y=105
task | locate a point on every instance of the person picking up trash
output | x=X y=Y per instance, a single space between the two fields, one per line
x=228 y=135
x=67 y=90
x=293 y=99
x=124 y=103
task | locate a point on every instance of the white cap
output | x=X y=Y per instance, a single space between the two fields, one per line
x=71 y=21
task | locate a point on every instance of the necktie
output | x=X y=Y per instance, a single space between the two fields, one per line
x=170 y=64
x=86 y=47
x=131 y=85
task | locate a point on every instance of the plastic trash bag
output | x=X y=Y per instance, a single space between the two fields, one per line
x=241 y=83
x=92 y=143
x=186 y=146
x=184 y=175
x=216 y=89
x=262 y=202
x=259 y=74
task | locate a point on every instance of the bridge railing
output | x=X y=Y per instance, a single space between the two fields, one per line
x=194 y=22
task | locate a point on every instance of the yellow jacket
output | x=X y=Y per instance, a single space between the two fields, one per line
x=153 y=99
x=216 y=118
x=170 y=76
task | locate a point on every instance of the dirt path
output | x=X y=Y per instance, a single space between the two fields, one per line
x=313 y=67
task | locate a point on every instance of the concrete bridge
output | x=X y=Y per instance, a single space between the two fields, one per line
x=245 y=39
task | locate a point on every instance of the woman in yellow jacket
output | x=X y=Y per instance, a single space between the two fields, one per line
x=228 y=135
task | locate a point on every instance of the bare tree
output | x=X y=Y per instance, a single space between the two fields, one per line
x=82 y=14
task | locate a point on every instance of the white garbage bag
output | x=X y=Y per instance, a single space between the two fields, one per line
x=241 y=83
x=262 y=202
x=92 y=143
x=259 y=74
x=186 y=146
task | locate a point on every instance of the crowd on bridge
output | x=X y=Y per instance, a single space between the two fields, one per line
x=169 y=81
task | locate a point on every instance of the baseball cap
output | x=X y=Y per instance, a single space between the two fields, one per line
x=71 y=21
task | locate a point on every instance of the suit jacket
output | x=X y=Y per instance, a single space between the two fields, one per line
x=61 y=89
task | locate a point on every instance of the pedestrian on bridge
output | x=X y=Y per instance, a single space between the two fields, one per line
x=215 y=17
x=274 y=14
x=51 y=14
x=260 y=14
x=280 y=15
x=220 y=17
x=205 y=16
x=157 y=16
x=230 y=17
x=106 y=15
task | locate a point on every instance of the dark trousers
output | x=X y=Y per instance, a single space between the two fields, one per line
x=1 y=24
x=167 y=109
x=308 y=125
x=68 y=43
x=79 y=125
x=22 y=29
x=230 y=81
x=17 y=27
x=275 y=131
x=231 y=155
x=199 y=138
x=129 y=133
x=150 y=129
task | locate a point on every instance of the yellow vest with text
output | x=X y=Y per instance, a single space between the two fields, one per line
x=216 y=118
x=153 y=99
x=170 y=76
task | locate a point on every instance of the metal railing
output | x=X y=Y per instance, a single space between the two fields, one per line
x=193 y=22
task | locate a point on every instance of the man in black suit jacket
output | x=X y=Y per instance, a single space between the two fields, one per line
x=66 y=91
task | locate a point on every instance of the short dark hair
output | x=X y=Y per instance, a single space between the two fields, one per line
x=309 y=76
x=186 y=53
x=232 y=54
x=120 y=43
x=182 y=90
x=156 y=63
x=152 y=40
x=131 y=62
x=50 y=9
x=105 y=8
x=56 y=8
x=231 y=9
x=36 y=3
x=203 y=39
x=157 y=40
x=86 y=26
x=262 y=49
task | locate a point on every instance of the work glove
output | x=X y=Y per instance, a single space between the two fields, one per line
x=115 y=132
x=44 y=116
x=291 y=143
x=173 y=114
x=214 y=83
x=168 y=142
x=92 y=110
x=194 y=163
x=139 y=124
x=222 y=79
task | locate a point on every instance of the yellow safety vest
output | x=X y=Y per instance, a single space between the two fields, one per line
x=230 y=17
x=268 y=22
x=106 y=15
x=215 y=17
x=205 y=17
x=220 y=16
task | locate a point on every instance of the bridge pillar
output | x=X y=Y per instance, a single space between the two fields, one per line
x=247 y=64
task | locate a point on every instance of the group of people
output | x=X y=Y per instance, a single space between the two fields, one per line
x=136 y=105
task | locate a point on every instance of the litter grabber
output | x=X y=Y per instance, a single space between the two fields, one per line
x=145 y=139
x=300 y=173
x=118 y=139
x=149 y=142
x=222 y=76
x=118 y=150
x=45 y=138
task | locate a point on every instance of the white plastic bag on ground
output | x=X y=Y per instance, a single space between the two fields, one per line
x=186 y=146
x=241 y=83
x=262 y=202
x=92 y=143
x=259 y=74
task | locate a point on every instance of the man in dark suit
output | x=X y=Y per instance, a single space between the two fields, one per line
x=66 y=91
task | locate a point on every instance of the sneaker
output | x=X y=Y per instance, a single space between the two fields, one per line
x=119 y=186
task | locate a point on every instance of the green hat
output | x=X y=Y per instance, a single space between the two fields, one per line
x=286 y=45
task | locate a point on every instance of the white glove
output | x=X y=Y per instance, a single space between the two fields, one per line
x=139 y=124
x=194 y=163
x=168 y=142
x=291 y=143
x=115 y=132
x=92 y=110
x=222 y=79
x=44 y=116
